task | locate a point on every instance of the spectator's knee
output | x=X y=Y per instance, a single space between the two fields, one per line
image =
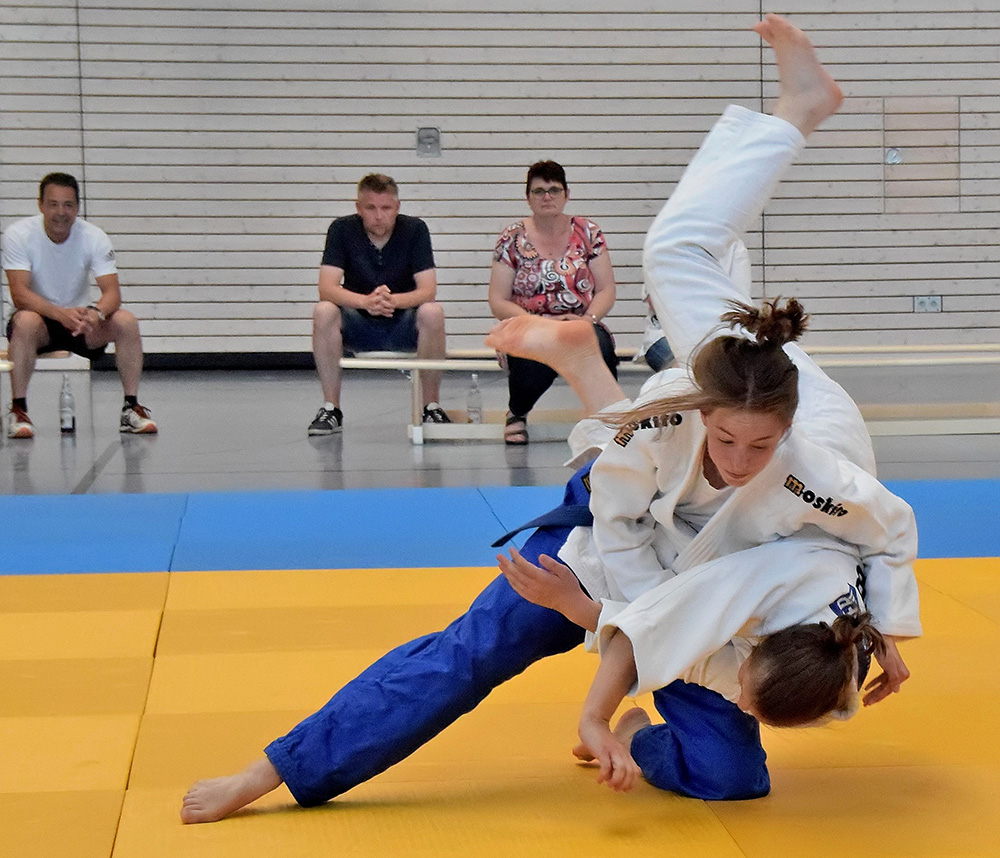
x=124 y=326
x=326 y=314
x=431 y=316
x=26 y=325
x=125 y=320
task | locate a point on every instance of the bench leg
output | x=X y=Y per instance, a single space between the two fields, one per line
x=417 y=408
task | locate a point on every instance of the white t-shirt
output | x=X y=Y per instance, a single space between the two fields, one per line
x=60 y=273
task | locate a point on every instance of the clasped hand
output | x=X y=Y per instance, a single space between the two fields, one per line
x=79 y=321
x=379 y=302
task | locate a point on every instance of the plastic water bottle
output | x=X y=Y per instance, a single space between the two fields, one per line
x=474 y=402
x=67 y=408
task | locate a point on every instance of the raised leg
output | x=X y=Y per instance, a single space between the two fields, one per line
x=569 y=347
x=688 y=252
x=808 y=94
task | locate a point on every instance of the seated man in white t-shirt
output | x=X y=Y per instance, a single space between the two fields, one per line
x=49 y=260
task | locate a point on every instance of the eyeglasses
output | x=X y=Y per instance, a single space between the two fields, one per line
x=555 y=193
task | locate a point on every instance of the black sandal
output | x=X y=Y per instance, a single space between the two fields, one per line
x=515 y=430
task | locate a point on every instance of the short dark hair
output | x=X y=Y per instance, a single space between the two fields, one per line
x=60 y=180
x=378 y=183
x=548 y=171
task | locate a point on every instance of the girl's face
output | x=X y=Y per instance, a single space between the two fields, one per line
x=740 y=443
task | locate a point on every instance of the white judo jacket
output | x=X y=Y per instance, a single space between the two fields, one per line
x=811 y=537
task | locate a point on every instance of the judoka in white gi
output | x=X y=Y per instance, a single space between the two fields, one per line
x=710 y=748
x=656 y=514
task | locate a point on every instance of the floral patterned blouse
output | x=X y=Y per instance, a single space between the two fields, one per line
x=552 y=287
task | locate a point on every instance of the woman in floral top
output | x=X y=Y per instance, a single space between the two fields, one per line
x=549 y=264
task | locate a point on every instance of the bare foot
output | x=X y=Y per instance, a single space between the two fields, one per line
x=628 y=725
x=558 y=344
x=570 y=347
x=215 y=799
x=808 y=93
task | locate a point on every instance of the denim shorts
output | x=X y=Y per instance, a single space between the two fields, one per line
x=365 y=333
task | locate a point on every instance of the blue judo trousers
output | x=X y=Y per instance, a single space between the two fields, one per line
x=707 y=748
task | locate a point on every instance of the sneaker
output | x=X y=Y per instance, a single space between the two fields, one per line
x=434 y=413
x=327 y=422
x=19 y=424
x=136 y=420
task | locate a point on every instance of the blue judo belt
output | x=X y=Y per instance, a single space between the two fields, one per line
x=567 y=515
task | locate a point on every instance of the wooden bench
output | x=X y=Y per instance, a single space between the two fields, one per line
x=555 y=425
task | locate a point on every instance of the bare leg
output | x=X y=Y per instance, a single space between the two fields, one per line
x=215 y=799
x=328 y=349
x=430 y=345
x=808 y=94
x=27 y=337
x=122 y=328
x=569 y=347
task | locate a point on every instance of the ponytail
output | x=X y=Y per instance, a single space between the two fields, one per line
x=771 y=324
x=811 y=671
x=752 y=374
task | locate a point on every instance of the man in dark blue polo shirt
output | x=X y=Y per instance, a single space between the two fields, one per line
x=377 y=286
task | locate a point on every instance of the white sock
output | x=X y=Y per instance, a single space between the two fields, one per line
x=329 y=406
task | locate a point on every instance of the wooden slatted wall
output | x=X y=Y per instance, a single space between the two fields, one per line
x=217 y=140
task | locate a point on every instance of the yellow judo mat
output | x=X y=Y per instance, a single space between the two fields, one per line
x=117 y=691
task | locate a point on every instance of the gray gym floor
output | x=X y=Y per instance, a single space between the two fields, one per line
x=225 y=430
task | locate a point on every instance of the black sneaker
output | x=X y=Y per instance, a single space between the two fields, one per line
x=434 y=413
x=327 y=422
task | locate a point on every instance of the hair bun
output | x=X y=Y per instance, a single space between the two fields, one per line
x=772 y=323
x=849 y=631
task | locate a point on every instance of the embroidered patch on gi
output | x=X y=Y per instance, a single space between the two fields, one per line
x=847 y=605
x=660 y=421
x=825 y=505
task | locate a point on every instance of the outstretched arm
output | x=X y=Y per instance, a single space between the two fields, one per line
x=614 y=678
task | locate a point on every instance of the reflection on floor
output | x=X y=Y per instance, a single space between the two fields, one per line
x=246 y=431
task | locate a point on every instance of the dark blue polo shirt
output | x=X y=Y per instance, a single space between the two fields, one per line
x=407 y=252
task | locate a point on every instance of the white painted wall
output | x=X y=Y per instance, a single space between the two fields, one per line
x=215 y=146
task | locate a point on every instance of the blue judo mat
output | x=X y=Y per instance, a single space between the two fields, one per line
x=372 y=528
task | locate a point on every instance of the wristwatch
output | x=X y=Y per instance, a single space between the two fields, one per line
x=97 y=310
